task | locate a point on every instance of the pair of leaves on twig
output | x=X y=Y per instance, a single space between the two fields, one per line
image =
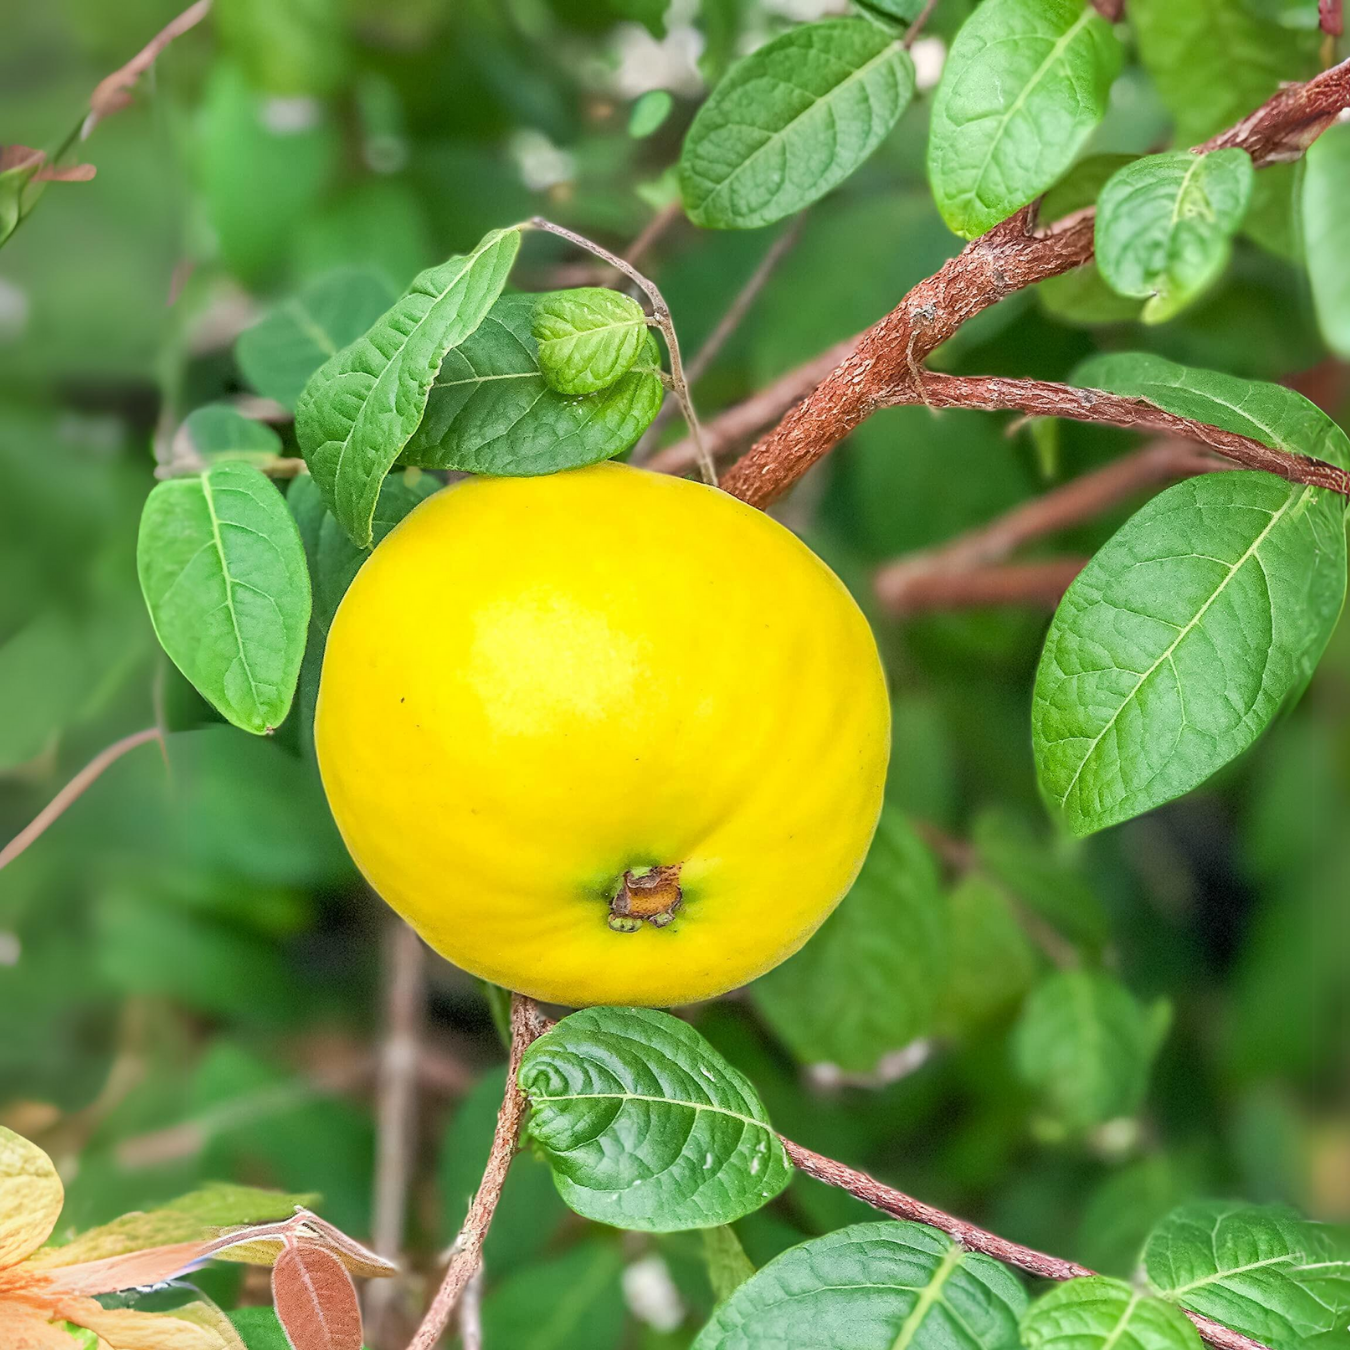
x=42 y=1287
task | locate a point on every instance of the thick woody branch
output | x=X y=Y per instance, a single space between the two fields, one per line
x=975 y=1239
x=1008 y=258
x=968 y=570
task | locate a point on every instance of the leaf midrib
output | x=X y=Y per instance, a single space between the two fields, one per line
x=208 y=495
x=928 y=1296
x=659 y=1101
x=1015 y=107
x=1181 y=634
x=1286 y=1260
x=885 y=54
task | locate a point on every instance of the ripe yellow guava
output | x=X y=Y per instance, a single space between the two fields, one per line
x=605 y=736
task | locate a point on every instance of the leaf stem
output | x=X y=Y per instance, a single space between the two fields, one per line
x=661 y=313
x=915 y=29
x=527 y=1024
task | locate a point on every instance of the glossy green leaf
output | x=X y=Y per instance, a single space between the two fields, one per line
x=490 y=410
x=219 y=431
x=1214 y=61
x=873 y=1286
x=1025 y=83
x=1260 y=1269
x=1165 y=225
x=587 y=338
x=223 y=573
x=1085 y=1044
x=362 y=405
x=1105 y=1314
x=1326 y=234
x=279 y=354
x=1178 y=642
x=869 y=981
x=791 y=121
x=645 y=1125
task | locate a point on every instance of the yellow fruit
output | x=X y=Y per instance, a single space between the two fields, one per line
x=605 y=736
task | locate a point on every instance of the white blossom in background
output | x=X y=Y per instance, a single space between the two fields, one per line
x=929 y=55
x=643 y=63
x=651 y=1294
x=542 y=164
x=806 y=11
x=291 y=116
x=10 y=950
x=13 y=311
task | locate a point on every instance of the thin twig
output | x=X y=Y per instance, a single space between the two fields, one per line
x=72 y=791
x=467 y=1252
x=661 y=313
x=1039 y=584
x=653 y=231
x=973 y=1238
x=916 y=28
x=396 y=1110
x=1085 y=498
x=726 y=326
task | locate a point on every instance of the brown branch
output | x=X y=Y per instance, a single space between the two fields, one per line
x=396 y=1111
x=653 y=231
x=1110 y=10
x=975 y=1239
x=1040 y=585
x=72 y=791
x=527 y=1024
x=1008 y=258
x=913 y=32
x=1083 y=499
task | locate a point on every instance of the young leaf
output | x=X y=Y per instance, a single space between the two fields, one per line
x=1100 y=1314
x=645 y=1125
x=362 y=405
x=31 y=1197
x=315 y=1299
x=218 y=432
x=1025 y=83
x=1259 y=1269
x=1326 y=234
x=1165 y=225
x=587 y=338
x=874 y=1286
x=490 y=410
x=1085 y=1044
x=791 y=121
x=223 y=573
x=1174 y=647
x=279 y=354
x=869 y=981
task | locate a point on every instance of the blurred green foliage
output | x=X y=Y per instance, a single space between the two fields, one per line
x=189 y=965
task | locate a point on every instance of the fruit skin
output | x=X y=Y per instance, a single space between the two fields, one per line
x=536 y=684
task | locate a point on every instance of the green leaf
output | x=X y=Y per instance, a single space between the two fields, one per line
x=588 y=338
x=649 y=112
x=1326 y=234
x=993 y=962
x=1105 y=1314
x=1176 y=645
x=219 y=432
x=223 y=573
x=868 y=982
x=1025 y=83
x=791 y=121
x=490 y=410
x=260 y=1329
x=1085 y=1044
x=1260 y=1269
x=1165 y=225
x=645 y=1125
x=574 y=1302
x=279 y=354
x=728 y=1265
x=362 y=405
x=873 y=1286
x=1213 y=61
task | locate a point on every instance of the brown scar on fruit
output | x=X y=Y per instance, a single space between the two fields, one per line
x=646 y=895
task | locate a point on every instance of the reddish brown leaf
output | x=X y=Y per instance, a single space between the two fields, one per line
x=315 y=1299
x=132 y=1270
x=74 y=173
x=113 y=91
x=20 y=157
